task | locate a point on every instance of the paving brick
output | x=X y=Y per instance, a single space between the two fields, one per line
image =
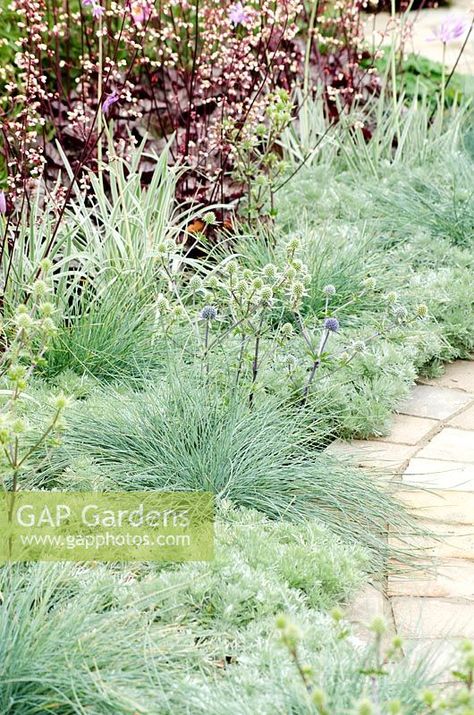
x=434 y=402
x=442 y=541
x=439 y=474
x=465 y=420
x=440 y=656
x=409 y=430
x=369 y=602
x=385 y=456
x=433 y=617
x=450 y=579
x=449 y=507
x=451 y=444
x=459 y=374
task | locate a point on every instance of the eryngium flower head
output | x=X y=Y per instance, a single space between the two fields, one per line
x=400 y=313
x=329 y=290
x=208 y=313
x=331 y=324
x=422 y=310
x=370 y=283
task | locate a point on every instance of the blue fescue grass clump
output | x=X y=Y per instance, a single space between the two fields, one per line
x=180 y=434
x=189 y=638
x=69 y=645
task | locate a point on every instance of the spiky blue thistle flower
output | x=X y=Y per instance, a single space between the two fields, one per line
x=329 y=290
x=331 y=324
x=208 y=313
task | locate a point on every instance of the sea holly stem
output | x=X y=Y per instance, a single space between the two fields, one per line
x=330 y=325
x=208 y=314
x=255 y=361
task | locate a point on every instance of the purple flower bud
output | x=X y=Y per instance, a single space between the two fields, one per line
x=3 y=203
x=98 y=11
x=331 y=324
x=109 y=102
x=451 y=29
x=238 y=14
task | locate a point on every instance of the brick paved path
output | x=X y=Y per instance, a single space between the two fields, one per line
x=430 y=448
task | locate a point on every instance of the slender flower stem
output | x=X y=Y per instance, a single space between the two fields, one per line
x=255 y=364
x=100 y=99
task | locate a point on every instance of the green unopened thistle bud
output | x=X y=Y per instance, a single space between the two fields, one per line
x=5 y=429
x=290 y=273
x=46 y=265
x=24 y=321
x=270 y=272
x=266 y=295
x=287 y=330
x=391 y=297
x=18 y=426
x=291 y=363
x=319 y=698
x=257 y=283
x=195 y=284
x=209 y=218
x=178 y=312
x=231 y=268
x=162 y=303
x=422 y=310
x=40 y=288
x=298 y=265
x=247 y=274
x=307 y=670
x=60 y=402
x=212 y=282
x=428 y=698
x=291 y=636
x=281 y=621
x=46 y=309
x=48 y=326
x=242 y=288
x=161 y=250
x=297 y=291
x=292 y=245
x=378 y=626
x=16 y=373
x=365 y=707
x=370 y=283
x=397 y=642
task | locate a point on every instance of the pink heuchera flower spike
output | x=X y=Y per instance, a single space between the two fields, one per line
x=3 y=203
x=140 y=12
x=238 y=14
x=449 y=30
x=109 y=102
